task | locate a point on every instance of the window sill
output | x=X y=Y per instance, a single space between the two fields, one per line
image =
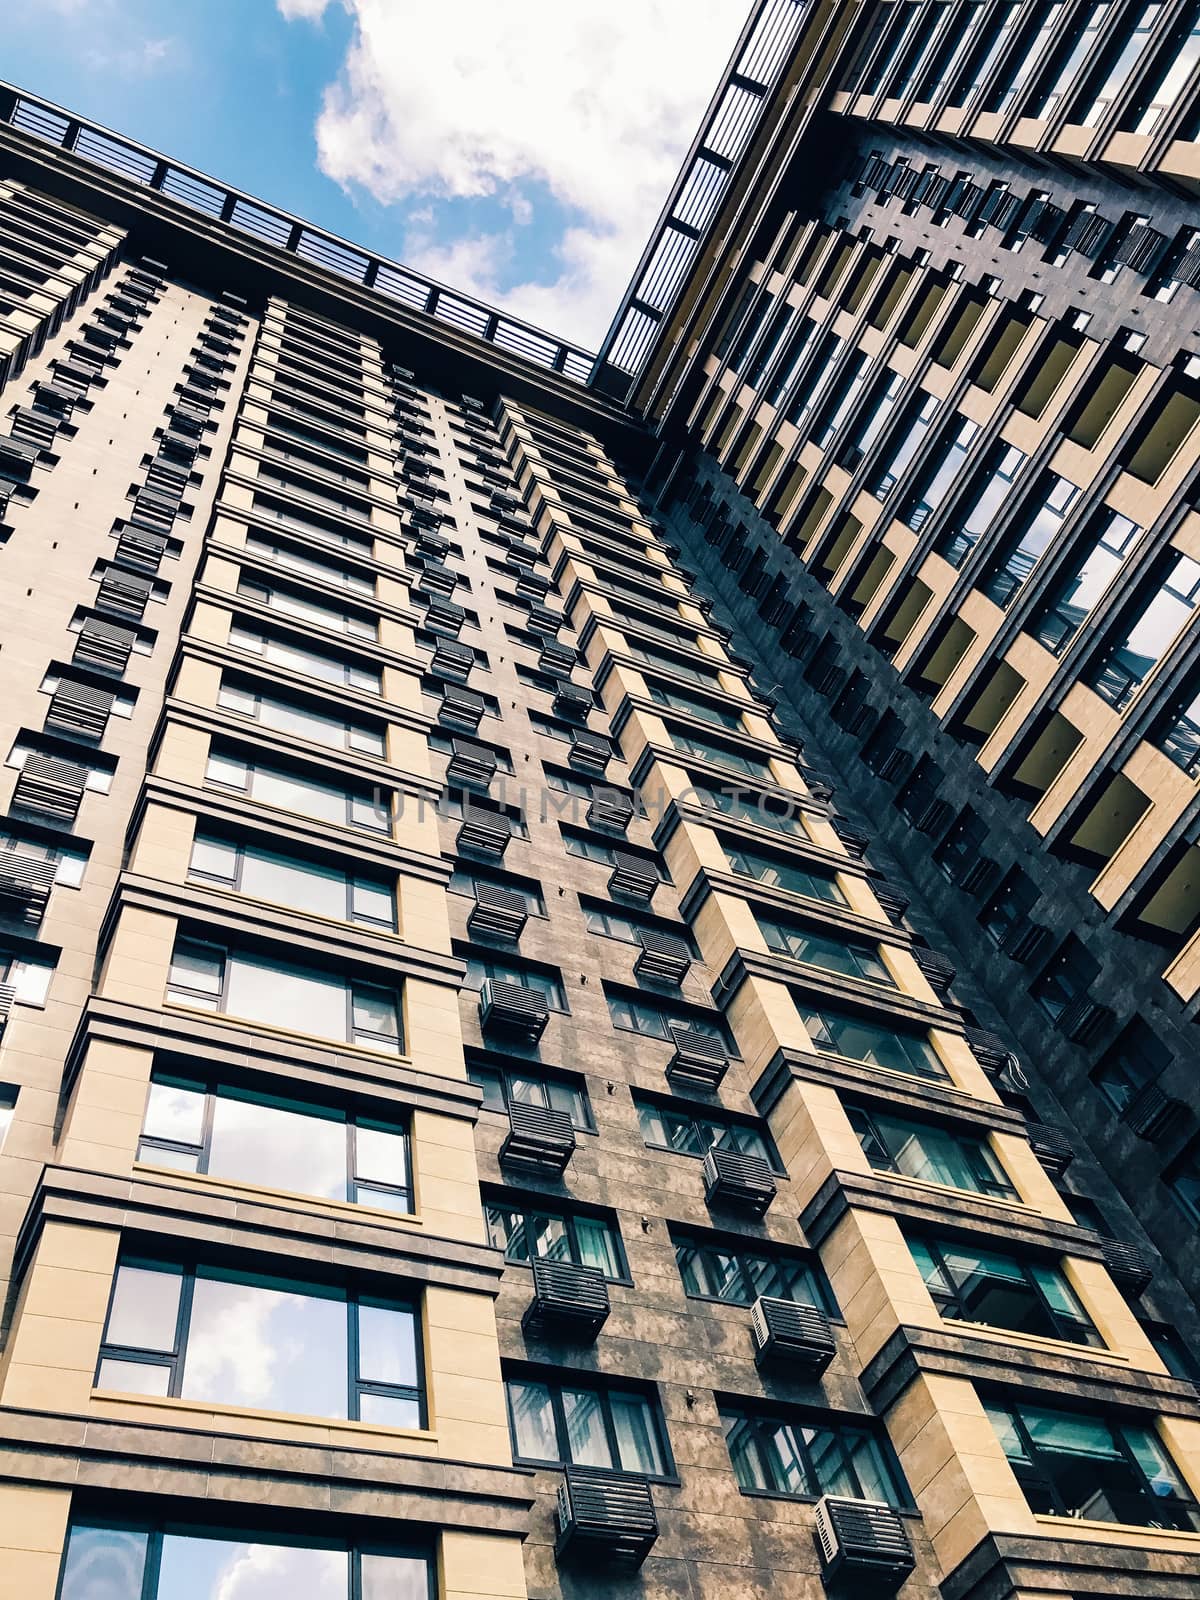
x=1119 y=1533
x=267 y=1030
x=669 y=1480
x=282 y=1424
x=290 y=1197
x=985 y=1333
x=812 y=1499
x=925 y=1186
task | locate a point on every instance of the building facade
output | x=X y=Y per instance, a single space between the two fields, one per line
x=740 y=793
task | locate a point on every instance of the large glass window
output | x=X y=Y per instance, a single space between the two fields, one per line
x=903 y=448
x=1070 y=1464
x=556 y=1423
x=854 y=958
x=481 y=969
x=1148 y=627
x=325 y=891
x=771 y=345
x=1166 y=77
x=296 y=603
x=805 y=1458
x=353 y=806
x=524 y=1232
x=636 y=1013
x=791 y=361
x=506 y=1087
x=932 y=1154
x=694 y=705
x=1116 y=68
x=939 y=472
x=1104 y=547
x=985 y=52
x=817 y=379
x=105 y=1561
x=8 y=1105
x=982 y=503
x=318 y=664
x=721 y=755
x=872 y=420
x=1024 y=56
x=279 y=994
x=971 y=1284
x=241 y=1339
x=840 y=1033
x=1177 y=734
x=1076 y=49
x=693 y=1133
x=670 y=663
x=1039 y=524
x=298 y=720
x=281 y=1144
x=778 y=873
x=302 y=559
x=736 y=1274
x=775 y=809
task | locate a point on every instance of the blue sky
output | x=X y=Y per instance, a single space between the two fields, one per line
x=519 y=152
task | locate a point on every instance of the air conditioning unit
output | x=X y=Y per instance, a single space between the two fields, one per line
x=1130 y=1268
x=103 y=645
x=700 y=1060
x=568 y=1301
x=572 y=700
x=513 y=1008
x=461 y=708
x=471 y=763
x=499 y=912
x=51 y=787
x=590 y=752
x=25 y=885
x=139 y=547
x=743 y=1182
x=939 y=971
x=1052 y=1146
x=452 y=660
x=540 y=1139
x=485 y=832
x=79 y=709
x=610 y=808
x=1151 y=1113
x=792 y=1336
x=633 y=876
x=604 y=1519
x=124 y=592
x=863 y=1545
x=664 y=957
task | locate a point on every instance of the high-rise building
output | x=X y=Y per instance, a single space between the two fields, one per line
x=600 y=954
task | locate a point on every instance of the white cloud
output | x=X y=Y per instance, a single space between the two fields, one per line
x=593 y=102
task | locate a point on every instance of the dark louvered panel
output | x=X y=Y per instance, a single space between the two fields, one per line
x=189 y=419
x=154 y=511
x=51 y=787
x=742 y=1182
x=539 y=1138
x=664 y=957
x=606 y=1519
x=452 y=660
x=431 y=545
x=1052 y=1146
x=819 y=783
x=632 y=875
x=997 y=1060
x=1153 y=1115
x=993 y=205
x=568 y=1301
x=422 y=512
x=461 y=708
x=521 y=559
x=857 y=842
x=140 y=548
x=25 y=885
x=700 y=1060
x=513 y=1008
x=438 y=579
x=572 y=699
x=610 y=808
x=80 y=709
x=1086 y=234
x=498 y=912
x=863 y=1545
x=557 y=658
x=104 y=645
x=166 y=478
x=981 y=877
x=485 y=832
x=543 y=620
x=501 y=500
x=789 y=1334
x=445 y=616
x=1085 y=1020
x=590 y=752
x=8 y=995
x=1047 y=223
x=17 y=457
x=1026 y=942
x=1131 y=1269
x=127 y=593
x=939 y=970
x=1141 y=247
x=894 y=901
x=471 y=763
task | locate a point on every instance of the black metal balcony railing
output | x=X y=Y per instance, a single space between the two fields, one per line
x=743 y=1182
x=569 y=1301
x=790 y=1335
x=604 y=1518
x=539 y=1139
x=242 y=213
x=863 y=1545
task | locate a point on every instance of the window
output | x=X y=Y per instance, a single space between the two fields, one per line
x=808 y=394
x=793 y=359
x=588 y=848
x=1183 y=1183
x=982 y=503
x=670 y=663
x=444 y=743
x=278 y=1143
x=735 y=1274
x=932 y=1154
x=1069 y=974
x=69 y=863
x=1104 y=547
x=984 y=1286
x=842 y=398
x=557 y=1423
x=525 y=1232
x=503 y=1088
x=804 y=1459
x=1167 y=76
x=854 y=958
x=294 y=603
x=1025 y=54
x=750 y=331
x=1177 y=734
x=721 y=755
x=771 y=345
x=8 y=1105
x=776 y=809
x=353 y=806
x=939 y=472
x=467 y=883
x=955 y=42
x=325 y=891
x=692 y=1133
x=318 y=664
x=1148 y=627
x=310 y=1350
x=1114 y=71
x=840 y=1033
x=29 y=979
x=907 y=441
x=1072 y=1465
x=872 y=420
x=107 y=1562
x=481 y=969
x=1039 y=525
x=638 y=1013
x=280 y=995
x=1078 y=47
x=693 y=705
x=778 y=873
x=1136 y=1058
x=1009 y=908
x=298 y=720
x=613 y=924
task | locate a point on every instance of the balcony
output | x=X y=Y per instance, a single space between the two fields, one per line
x=25 y=885
x=605 y=1520
x=741 y=1182
x=590 y=752
x=513 y=1008
x=633 y=876
x=790 y=1336
x=539 y=1139
x=700 y=1060
x=664 y=957
x=863 y=1545
x=498 y=912
x=568 y=1301
x=1052 y=1146
x=471 y=763
x=461 y=708
x=610 y=808
x=485 y=832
